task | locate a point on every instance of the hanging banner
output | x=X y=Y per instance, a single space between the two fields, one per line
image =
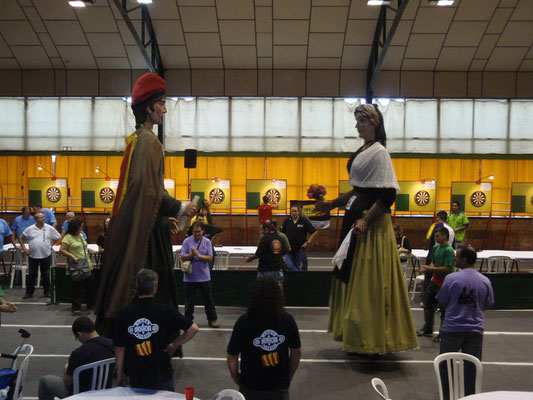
x=216 y=190
x=416 y=196
x=98 y=192
x=473 y=197
x=48 y=191
x=318 y=219
x=274 y=189
x=170 y=187
x=522 y=197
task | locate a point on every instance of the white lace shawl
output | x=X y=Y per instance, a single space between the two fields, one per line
x=372 y=168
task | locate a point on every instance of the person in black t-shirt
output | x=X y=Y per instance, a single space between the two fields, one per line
x=268 y=341
x=270 y=252
x=296 y=227
x=93 y=348
x=142 y=338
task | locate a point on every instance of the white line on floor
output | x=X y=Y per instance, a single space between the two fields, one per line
x=488 y=333
x=323 y=360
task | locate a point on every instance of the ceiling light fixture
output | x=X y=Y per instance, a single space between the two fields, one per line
x=144 y=1
x=80 y=3
x=441 y=2
x=378 y=2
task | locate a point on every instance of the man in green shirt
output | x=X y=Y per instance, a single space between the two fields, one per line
x=459 y=222
x=442 y=263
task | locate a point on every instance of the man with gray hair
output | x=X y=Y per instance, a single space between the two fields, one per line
x=41 y=237
x=64 y=228
x=143 y=332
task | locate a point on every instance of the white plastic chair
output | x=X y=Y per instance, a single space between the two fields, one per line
x=25 y=351
x=455 y=372
x=221 y=260
x=100 y=374
x=380 y=387
x=232 y=394
x=499 y=264
x=419 y=280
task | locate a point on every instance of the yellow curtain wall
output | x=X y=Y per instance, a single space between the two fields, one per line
x=300 y=172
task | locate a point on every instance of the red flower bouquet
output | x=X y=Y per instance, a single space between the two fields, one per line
x=317 y=192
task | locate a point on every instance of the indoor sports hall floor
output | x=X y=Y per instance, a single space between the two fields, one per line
x=326 y=372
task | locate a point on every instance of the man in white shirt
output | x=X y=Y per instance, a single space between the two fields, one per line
x=40 y=237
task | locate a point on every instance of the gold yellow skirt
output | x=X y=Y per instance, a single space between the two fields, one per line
x=371 y=313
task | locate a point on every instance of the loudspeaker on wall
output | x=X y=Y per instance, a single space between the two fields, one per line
x=190 y=158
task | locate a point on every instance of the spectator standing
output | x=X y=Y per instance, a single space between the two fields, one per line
x=284 y=239
x=440 y=221
x=50 y=218
x=5 y=232
x=442 y=263
x=93 y=348
x=74 y=247
x=465 y=294
x=270 y=252
x=199 y=250
x=297 y=228
x=143 y=347
x=41 y=237
x=264 y=211
x=268 y=341
x=23 y=221
x=404 y=246
x=100 y=240
x=459 y=222
x=69 y=217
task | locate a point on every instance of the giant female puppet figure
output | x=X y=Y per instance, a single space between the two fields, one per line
x=140 y=235
x=369 y=307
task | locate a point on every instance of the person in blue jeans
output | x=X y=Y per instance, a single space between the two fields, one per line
x=297 y=228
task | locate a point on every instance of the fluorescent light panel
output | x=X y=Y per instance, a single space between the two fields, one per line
x=441 y=2
x=78 y=3
x=144 y=1
x=378 y=2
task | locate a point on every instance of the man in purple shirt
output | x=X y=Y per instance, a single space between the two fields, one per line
x=466 y=294
x=199 y=250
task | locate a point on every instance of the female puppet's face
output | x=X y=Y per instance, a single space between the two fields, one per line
x=366 y=130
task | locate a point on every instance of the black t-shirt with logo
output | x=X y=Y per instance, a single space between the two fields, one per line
x=144 y=329
x=270 y=253
x=264 y=349
x=297 y=232
x=95 y=349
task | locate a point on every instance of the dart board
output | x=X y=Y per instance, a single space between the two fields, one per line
x=422 y=198
x=273 y=196
x=478 y=198
x=107 y=195
x=53 y=194
x=217 y=195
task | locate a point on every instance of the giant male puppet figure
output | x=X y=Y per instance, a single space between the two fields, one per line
x=140 y=232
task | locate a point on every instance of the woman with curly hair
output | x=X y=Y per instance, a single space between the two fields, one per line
x=268 y=341
x=369 y=307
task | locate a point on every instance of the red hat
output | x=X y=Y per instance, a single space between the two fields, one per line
x=146 y=86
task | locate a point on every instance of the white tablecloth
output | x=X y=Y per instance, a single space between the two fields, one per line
x=126 y=392
x=500 y=396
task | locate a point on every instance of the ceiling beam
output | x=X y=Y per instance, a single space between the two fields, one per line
x=379 y=48
x=153 y=61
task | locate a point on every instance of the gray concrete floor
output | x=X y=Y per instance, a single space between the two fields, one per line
x=326 y=372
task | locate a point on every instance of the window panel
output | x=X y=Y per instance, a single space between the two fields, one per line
x=456 y=119
x=490 y=119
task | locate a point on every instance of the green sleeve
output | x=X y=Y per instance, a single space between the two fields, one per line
x=1 y=292
x=169 y=206
x=465 y=220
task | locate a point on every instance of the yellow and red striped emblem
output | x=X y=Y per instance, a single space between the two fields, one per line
x=144 y=348
x=270 y=359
